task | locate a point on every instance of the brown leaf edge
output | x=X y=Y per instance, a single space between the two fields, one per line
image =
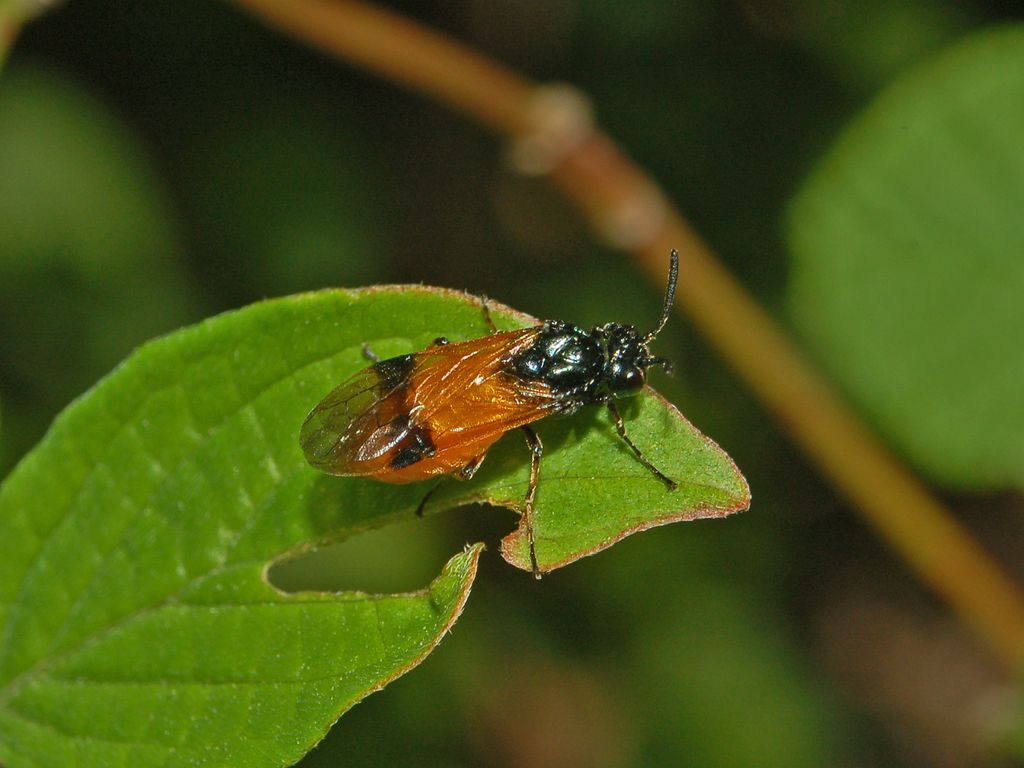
x=495 y=307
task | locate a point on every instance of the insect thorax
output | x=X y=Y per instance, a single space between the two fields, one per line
x=566 y=358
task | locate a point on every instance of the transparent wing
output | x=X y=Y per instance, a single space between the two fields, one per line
x=457 y=394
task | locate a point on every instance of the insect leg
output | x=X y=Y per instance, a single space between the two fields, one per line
x=467 y=472
x=426 y=498
x=621 y=428
x=664 y=363
x=369 y=354
x=486 y=309
x=533 y=441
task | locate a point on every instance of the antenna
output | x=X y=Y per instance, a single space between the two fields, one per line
x=670 y=295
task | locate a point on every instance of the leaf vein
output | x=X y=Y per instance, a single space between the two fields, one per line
x=18 y=601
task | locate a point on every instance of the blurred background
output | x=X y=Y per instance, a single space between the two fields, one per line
x=160 y=163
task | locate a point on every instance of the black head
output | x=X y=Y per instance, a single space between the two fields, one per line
x=627 y=355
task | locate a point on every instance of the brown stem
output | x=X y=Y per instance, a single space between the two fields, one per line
x=8 y=33
x=624 y=204
x=13 y=16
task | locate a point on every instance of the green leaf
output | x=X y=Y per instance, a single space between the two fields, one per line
x=138 y=627
x=290 y=188
x=593 y=492
x=907 y=275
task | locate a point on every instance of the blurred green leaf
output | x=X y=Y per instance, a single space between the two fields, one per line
x=87 y=246
x=739 y=695
x=867 y=41
x=294 y=190
x=75 y=181
x=137 y=622
x=716 y=672
x=907 y=274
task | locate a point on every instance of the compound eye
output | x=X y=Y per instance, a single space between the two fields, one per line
x=629 y=380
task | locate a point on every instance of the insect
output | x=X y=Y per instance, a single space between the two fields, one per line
x=438 y=411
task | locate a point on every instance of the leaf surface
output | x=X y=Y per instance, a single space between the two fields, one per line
x=138 y=627
x=908 y=271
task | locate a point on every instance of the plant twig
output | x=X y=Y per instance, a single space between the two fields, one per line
x=625 y=206
x=13 y=15
x=9 y=27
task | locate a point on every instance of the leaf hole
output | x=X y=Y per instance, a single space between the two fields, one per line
x=402 y=557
